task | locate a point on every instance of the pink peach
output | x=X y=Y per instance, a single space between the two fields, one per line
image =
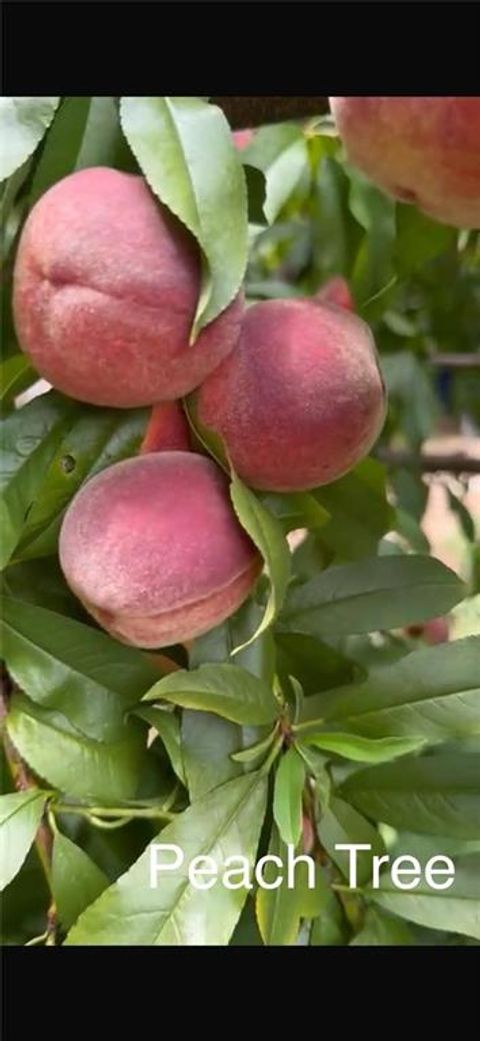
x=420 y=150
x=153 y=549
x=106 y=285
x=167 y=429
x=300 y=400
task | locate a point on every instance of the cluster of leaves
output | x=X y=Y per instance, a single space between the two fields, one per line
x=307 y=719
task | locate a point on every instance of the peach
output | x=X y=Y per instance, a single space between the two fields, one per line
x=106 y=285
x=420 y=150
x=152 y=548
x=435 y=630
x=167 y=429
x=242 y=138
x=300 y=400
x=336 y=290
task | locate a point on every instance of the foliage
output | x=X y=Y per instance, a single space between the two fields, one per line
x=309 y=718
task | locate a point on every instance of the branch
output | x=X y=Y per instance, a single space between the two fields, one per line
x=456 y=361
x=429 y=462
x=254 y=112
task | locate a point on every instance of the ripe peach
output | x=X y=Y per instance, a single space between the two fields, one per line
x=300 y=400
x=420 y=150
x=167 y=429
x=105 y=291
x=153 y=549
x=336 y=290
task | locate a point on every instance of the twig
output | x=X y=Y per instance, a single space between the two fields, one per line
x=119 y=812
x=254 y=111
x=429 y=463
x=455 y=361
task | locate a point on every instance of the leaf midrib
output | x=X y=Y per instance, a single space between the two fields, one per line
x=211 y=845
x=36 y=795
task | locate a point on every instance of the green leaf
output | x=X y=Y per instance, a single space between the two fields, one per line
x=315 y=665
x=208 y=742
x=265 y=531
x=185 y=149
x=218 y=644
x=456 y=910
x=365 y=749
x=433 y=693
x=20 y=816
x=72 y=668
x=382 y=930
x=96 y=438
x=373 y=268
x=419 y=239
x=279 y=910
x=225 y=689
x=62 y=145
x=410 y=388
x=296 y=510
x=330 y=928
x=317 y=768
x=287 y=796
x=11 y=216
x=359 y=511
x=103 y=143
x=437 y=794
x=377 y=593
x=16 y=374
x=41 y=582
x=167 y=726
x=256 y=751
x=23 y=122
x=465 y=519
x=29 y=439
x=77 y=765
x=333 y=230
x=224 y=824
x=76 y=880
x=280 y=153
x=340 y=824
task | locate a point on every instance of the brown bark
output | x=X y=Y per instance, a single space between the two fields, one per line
x=252 y=111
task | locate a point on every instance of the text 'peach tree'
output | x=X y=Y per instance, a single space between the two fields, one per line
x=223 y=630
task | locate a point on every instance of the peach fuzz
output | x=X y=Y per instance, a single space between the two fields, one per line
x=153 y=549
x=167 y=429
x=422 y=150
x=106 y=285
x=300 y=400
